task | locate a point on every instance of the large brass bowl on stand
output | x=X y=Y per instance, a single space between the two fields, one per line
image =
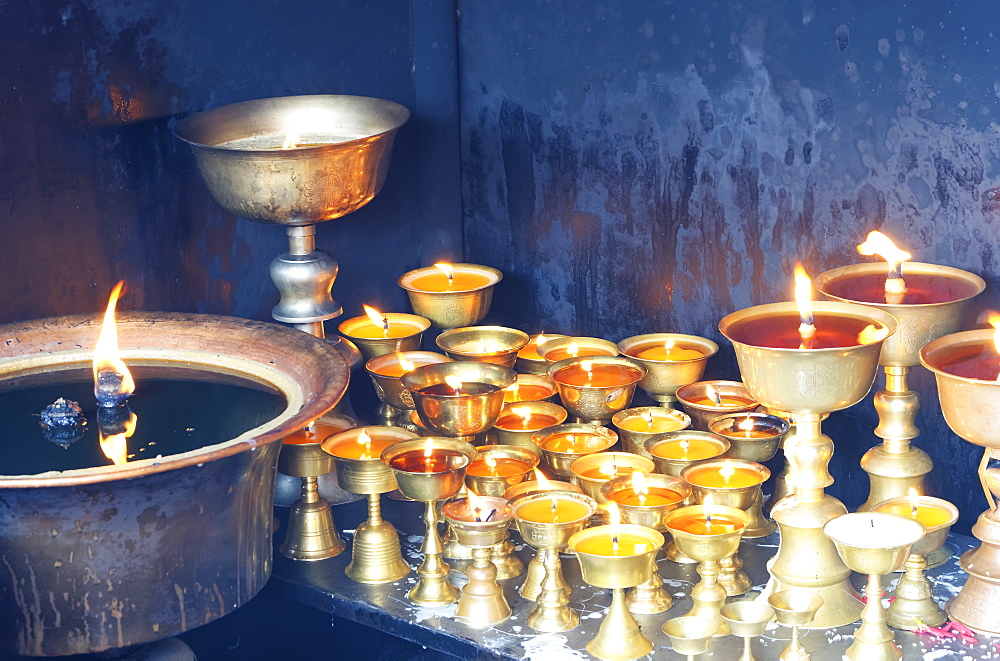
x=158 y=546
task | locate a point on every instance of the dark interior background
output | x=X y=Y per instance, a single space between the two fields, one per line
x=631 y=166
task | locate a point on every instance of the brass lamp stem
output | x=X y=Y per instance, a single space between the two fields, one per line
x=311 y=533
x=619 y=636
x=552 y=613
x=374 y=509
x=709 y=597
x=914 y=603
x=895 y=466
x=873 y=639
x=432 y=588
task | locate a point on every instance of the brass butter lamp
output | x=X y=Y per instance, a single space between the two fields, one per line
x=639 y=424
x=429 y=470
x=809 y=382
x=707 y=534
x=480 y=524
x=375 y=553
x=594 y=388
x=682 y=363
x=793 y=609
x=617 y=557
x=690 y=636
x=483 y=344
x=451 y=307
x=896 y=466
x=396 y=402
x=873 y=543
x=747 y=620
x=965 y=365
x=546 y=521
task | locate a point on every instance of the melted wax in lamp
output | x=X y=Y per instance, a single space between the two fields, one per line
x=524 y=420
x=600 y=375
x=497 y=467
x=693 y=449
x=620 y=544
x=698 y=524
x=651 y=423
x=669 y=351
x=553 y=510
x=382 y=327
x=446 y=279
x=724 y=477
x=364 y=447
x=781 y=331
x=526 y=392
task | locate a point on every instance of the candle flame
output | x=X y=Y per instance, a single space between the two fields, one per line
x=873 y=333
x=475 y=505
x=490 y=461
x=803 y=298
x=707 y=503
x=609 y=468
x=377 y=318
x=106 y=358
x=879 y=244
x=543 y=482
x=614 y=514
x=914 y=501
x=512 y=392
x=684 y=445
x=291 y=139
x=447 y=270
x=405 y=363
x=523 y=411
x=540 y=339
x=588 y=367
x=454 y=382
x=746 y=424
x=115 y=447
x=727 y=471
x=573 y=349
x=428 y=448
x=639 y=483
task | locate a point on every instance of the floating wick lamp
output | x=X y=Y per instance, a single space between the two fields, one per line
x=480 y=523
x=914 y=603
x=375 y=553
x=593 y=389
x=546 y=521
x=966 y=366
x=671 y=360
x=561 y=445
x=636 y=425
x=529 y=360
x=483 y=344
x=592 y=471
x=429 y=470
x=451 y=295
x=530 y=388
x=705 y=401
x=564 y=347
x=873 y=543
x=617 y=556
x=788 y=366
x=518 y=422
x=927 y=301
x=645 y=500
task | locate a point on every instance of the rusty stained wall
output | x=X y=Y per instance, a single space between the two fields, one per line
x=636 y=167
x=95 y=187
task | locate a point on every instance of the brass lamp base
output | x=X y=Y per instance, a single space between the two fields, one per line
x=619 y=638
x=893 y=474
x=552 y=614
x=432 y=588
x=311 y=533
x=375 y=554
x=649 y=598
x=975 y=604
x=482 y=603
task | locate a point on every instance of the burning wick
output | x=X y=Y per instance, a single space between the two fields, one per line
x=406 y=364
x=555 y=511
x=378 y=319
x=366 y=440
x=746 y=425
x=648 y=417
x=454 y=383
x=803 y=297
x=448 y=271
x=727 y=472
x=994 y=320
x=573 y=350
x=113 y=383
x=639 y=487
x=524 y=412
x=291 y=140
x=588 y=367
x=879 y=244
x=708 y=522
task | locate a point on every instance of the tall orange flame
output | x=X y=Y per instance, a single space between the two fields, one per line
x=879 y=244
x=405 y=363
x=543 y=482
x=446 y=268
x=106 y=358
x=454 y=382
x=994 y=319
x=377 y=318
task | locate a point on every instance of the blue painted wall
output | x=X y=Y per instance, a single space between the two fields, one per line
x=637 y=167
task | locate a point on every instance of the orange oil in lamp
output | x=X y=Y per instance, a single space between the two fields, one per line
x=553 y=510
x=438 y=460
x=781 y=330
x=599 y=376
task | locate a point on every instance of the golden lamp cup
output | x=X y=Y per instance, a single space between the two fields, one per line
x=735 y=483
x=546 y=521
x=473 y=408
x=387 y=370
x=895 y=466
x=638 y=424
x=617 y=557
x=519 y=421
x=483 y=344
x=782 y=374
x=914 y=603
x=645 y=500
x=873 y=543
x=793 y=609
x=753 y=437
x=964 y=365
x=400 y=332
x=480 y=526
x=499 y=467
x=674 y=451
x=708 y=534
x=428 y=470
x=529 y=360
x=561 y=445
x=530 y=388
x=593 y=470
x=705 y=401
x=747 y=619
x=565 y=347
x=690 y=636
x=593 y=389
x=312 y=533
x=465 y=302
x=375 y=553
x=536 y=486
x=671 y=360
